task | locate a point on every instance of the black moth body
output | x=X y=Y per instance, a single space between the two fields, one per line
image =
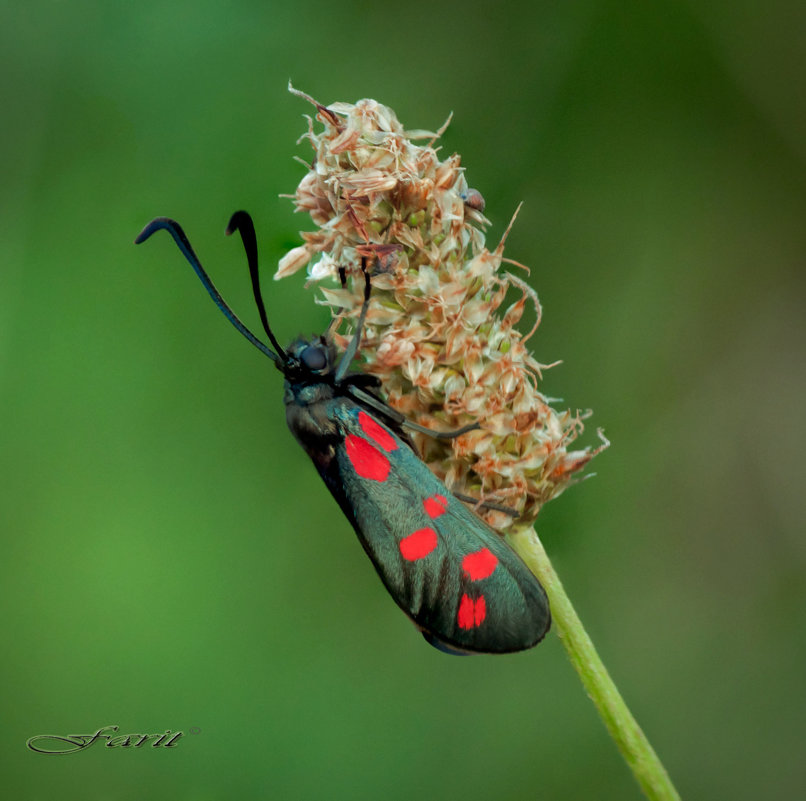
x=453 y=575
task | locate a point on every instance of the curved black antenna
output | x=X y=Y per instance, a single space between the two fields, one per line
x=352 y=348
x=175 y=230
x=241 y=221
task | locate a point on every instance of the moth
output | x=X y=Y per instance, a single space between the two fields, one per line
x=463 y=587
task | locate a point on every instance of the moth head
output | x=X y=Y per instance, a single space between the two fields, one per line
x=309 y=357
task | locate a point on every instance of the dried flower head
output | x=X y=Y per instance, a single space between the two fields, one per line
x=435 y=334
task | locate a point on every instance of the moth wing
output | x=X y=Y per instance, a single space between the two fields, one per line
x=444 y=566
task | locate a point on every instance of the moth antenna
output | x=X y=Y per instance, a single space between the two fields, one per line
x=241 y=221
x=175 y=230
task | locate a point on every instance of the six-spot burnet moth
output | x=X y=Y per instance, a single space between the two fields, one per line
x=453 y=575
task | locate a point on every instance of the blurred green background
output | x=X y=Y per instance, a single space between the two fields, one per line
x=171 y=559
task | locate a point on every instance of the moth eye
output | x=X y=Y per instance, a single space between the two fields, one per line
x=313 y=358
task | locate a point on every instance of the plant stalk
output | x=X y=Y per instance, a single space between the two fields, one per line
x=630 y=739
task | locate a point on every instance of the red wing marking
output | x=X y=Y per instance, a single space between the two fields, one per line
x=471 y=613
x=377 y=433
x=418 y=544
x=479 y=564
x=366 y=459
x=435 y=505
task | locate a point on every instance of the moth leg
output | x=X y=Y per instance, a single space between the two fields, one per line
x=400 y=419
x=496 y=507
x=375 y=403
x=337 y=314
x=456 y=432
x=349 y=354
x=364 y=381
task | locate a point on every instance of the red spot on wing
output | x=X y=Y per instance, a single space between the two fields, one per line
x=376 y=432
x=471 y=612
x=435 y=505
x=418 y=544
x=366 y=459
x=479 y=564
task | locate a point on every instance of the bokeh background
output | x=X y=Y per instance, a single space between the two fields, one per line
x=170 y=558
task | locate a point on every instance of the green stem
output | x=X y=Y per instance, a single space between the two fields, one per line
x=623 y=728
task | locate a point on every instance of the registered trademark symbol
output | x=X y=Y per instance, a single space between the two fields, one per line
x=194 y=730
